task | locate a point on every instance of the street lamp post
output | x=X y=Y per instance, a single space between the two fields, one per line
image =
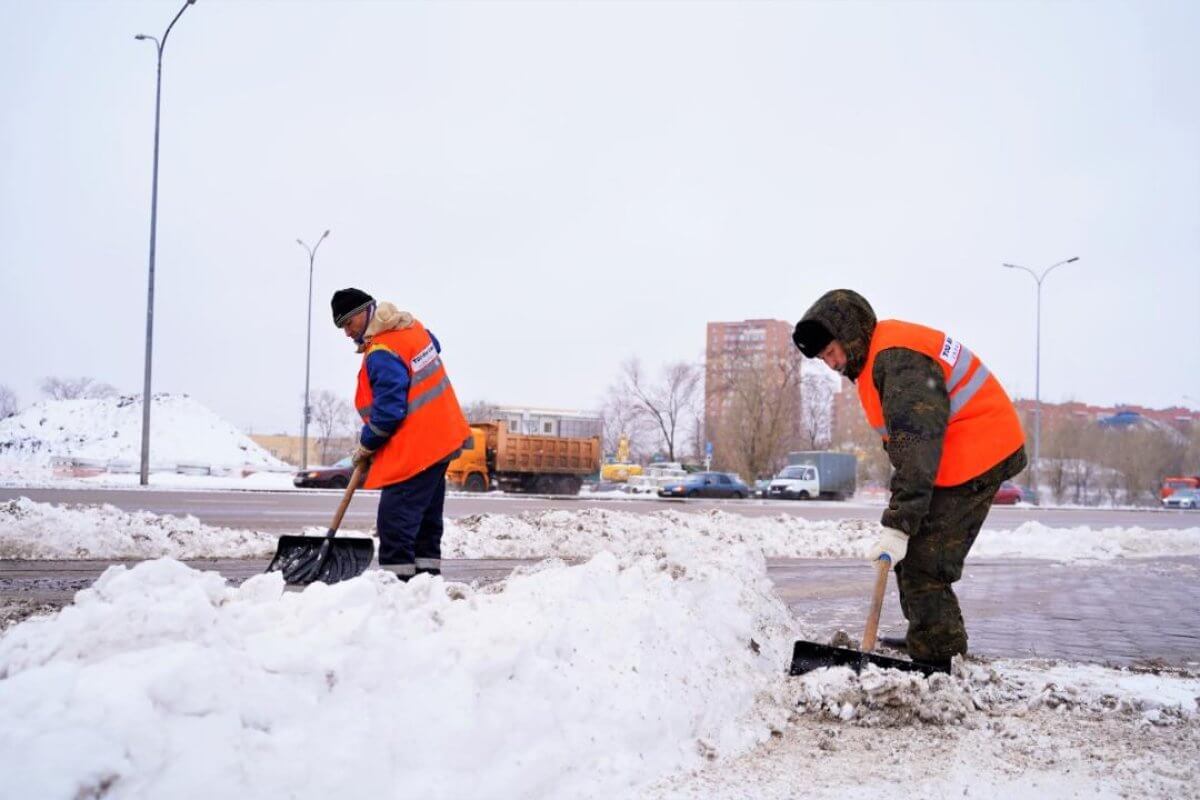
x=146 y=398
x=312 y=256
x=1037 y=374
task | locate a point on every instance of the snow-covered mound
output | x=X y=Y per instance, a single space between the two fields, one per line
x=579 y=682
x=109 y=430
x=44 y=531
x=30 y=530
x=580 y=534
x=656 y=669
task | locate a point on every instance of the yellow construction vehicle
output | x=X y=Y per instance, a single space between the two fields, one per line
x=619 y=471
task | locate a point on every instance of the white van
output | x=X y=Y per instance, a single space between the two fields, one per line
x=796 y=482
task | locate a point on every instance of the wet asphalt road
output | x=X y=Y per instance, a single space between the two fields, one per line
x=294 y=510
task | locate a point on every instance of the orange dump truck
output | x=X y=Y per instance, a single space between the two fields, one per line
x=518 y=463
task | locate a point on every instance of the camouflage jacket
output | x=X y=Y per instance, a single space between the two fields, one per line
x=916 y=407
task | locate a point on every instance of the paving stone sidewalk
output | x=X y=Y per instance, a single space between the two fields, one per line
x=1121 y=612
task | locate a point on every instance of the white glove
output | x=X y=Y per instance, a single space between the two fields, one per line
x=892 y=542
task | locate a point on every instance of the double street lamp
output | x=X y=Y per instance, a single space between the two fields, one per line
x=146 y=397
x=1037 y=378
x=312 y=257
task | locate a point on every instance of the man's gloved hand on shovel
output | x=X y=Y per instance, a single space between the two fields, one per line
x=361 y=455
x=892 y=542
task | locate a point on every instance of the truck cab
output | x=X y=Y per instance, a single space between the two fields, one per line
x=470 y=470
x=796 y=482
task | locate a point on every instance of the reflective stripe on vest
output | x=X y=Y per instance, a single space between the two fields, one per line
x=982 y=428
x=432 y=394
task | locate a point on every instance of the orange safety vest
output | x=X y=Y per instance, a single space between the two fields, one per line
x=434 y=426
x=983 y=429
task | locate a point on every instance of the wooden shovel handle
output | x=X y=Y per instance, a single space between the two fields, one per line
x=881 y=574
x=356 y=478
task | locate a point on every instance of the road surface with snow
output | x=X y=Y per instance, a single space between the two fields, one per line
x=285 y=510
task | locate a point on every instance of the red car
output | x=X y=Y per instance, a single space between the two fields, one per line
x=1009 y=494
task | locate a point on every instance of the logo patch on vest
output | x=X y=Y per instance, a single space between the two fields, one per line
x=950 y=351
x=423 y=358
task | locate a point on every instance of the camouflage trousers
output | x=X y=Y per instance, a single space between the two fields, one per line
x=934 y=562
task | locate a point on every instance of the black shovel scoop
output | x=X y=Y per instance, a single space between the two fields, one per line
x=807 y=656
x=305 y=559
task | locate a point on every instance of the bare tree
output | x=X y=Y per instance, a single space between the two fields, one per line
x=335 y=423
x=816 y=410
x=667 y=404
x=480 y=411
x=852 y=433
x=76 y=388
x=761 y=421
x=8 y=402
x=623 y=417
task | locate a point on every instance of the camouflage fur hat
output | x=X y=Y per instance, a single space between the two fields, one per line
x=841 y=314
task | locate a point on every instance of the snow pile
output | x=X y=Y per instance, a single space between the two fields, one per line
x=886 y=698
x=109 y=431
x=582 y=533
x=1036 y=540
x=30 y=530
x=581 y=681
x=44 y=531
x=579 y=534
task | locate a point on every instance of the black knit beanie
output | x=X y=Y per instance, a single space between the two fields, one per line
x=811 y=337
x=348 y=302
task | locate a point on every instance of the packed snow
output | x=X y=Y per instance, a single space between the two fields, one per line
x=106 y=433
x=583 y=681
x=653 y=669
x=32 y=530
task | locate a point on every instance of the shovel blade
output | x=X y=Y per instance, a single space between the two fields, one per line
x=807 y=656
x=301 y=561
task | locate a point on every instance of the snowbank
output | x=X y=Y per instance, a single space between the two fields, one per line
x=30 y=530
x=653 y=670
x=580 y=534
x=581 y=681
x=45 y=531
x=107 y=432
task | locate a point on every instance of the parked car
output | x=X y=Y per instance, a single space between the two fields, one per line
x=1183 y=498
x=707 y=484
x=335 y=477
x=1009 y=494
x=762 y=487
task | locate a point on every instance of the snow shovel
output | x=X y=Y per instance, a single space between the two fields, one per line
x=305 y=559
x=807 y=656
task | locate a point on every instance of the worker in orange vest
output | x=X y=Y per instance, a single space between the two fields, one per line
x=952 y=436
x=412 y=428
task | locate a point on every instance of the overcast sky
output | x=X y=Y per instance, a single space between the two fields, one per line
x=556 y=187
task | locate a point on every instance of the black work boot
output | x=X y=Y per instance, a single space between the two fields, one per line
x=894 y=642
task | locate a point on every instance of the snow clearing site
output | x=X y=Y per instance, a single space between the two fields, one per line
x=639 y=655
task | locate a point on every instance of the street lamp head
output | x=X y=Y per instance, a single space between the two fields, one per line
x=1010 y=266
x=1072 y=260
x=323 y=235
x=141 y=36
x=300 y=242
